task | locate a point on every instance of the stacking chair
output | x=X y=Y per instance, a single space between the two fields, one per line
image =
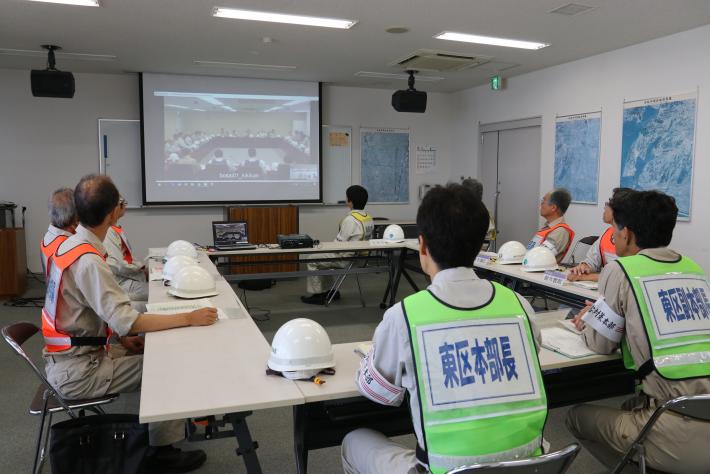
x=694 y=406
x=552 y=463
x=341 y=278
x=47 y=400
x=580 y=249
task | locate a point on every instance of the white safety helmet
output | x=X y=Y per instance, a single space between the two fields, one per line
x=192 y=282
x=174 y=264
x=539 y=259
x=393 y=233
x=301 y=348
x=511 y=252
x=181 y=247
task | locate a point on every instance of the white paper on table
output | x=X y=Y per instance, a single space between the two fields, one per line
x=383 y=242
x=587 y=285
x=185 y=306
x=569 y=325
x=564 y=342
x=155 y=270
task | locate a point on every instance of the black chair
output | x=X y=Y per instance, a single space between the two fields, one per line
x=47 y=400
x=552 y=463
x=580 y=249
x=694 y=406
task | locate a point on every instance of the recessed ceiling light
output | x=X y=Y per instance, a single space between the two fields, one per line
x=78 y=3
x=265 y=67
x=282 y=18
x=508 y=43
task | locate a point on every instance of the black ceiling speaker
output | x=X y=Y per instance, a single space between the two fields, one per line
x=51 y=82
x=410 y=100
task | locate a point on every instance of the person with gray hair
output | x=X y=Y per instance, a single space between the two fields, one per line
x=62 y=223
x=556 y=235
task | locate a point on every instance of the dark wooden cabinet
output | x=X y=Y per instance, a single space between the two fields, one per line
x=13 y=262
x=264 y=223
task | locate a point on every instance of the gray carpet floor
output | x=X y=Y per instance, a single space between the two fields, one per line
x=345 y=321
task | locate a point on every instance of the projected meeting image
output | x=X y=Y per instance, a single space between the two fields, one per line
x=221 y=146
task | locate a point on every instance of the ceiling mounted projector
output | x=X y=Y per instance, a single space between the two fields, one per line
x=410 y=100
x=51 y=82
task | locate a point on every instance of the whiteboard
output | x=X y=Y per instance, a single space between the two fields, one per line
x=120 y=157
x=337 y=162
x=119 y=144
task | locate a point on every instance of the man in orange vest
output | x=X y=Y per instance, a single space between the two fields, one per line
x=62 y=223
x=603 y=251
x=129 y=272
x=556 y=235
x=84 y=306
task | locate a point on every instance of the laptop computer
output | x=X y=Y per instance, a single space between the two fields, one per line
x=231 y=235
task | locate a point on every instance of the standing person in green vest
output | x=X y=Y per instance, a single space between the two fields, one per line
x=654 y=305
x=463 y=349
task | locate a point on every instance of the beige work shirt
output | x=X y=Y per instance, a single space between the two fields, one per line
x=618 y=294
x=558 y=237
x=90 y=298
x=52 y=233
x=120 y=268
x=352 y=229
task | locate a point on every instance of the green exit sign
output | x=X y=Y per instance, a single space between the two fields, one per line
x=496 y=83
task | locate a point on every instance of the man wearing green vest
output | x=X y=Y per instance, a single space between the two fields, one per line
x=655 y=306
x=463 y=349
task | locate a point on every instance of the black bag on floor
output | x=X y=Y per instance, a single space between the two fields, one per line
x=111 y=444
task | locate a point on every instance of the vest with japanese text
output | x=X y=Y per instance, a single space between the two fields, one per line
x=541 y=237
x=674 y=301
x=481 y=394
x=55 y=339
x=607 y=248
x=365 y=221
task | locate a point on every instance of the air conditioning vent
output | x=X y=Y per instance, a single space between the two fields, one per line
x=572 y=9
x=439 y=61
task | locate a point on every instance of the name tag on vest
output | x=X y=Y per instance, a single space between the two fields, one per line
x=479 y=362
x=678 y=305
x=486 y=258
x=555 y=277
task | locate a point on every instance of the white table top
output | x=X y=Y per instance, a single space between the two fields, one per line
x=347 y=362
x=212 y=370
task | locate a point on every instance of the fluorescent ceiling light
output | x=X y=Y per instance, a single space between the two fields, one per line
x=259 y=67
x=79 y=3
x=59 y=54
x=508 y=43
x=281 y=18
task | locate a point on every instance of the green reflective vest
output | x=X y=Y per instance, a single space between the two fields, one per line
x=481 y=395
x=674 y=301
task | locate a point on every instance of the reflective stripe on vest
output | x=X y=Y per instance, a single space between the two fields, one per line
x=56 y=340
x=481 y=394
x=125 y=248
x=49 y=249
x=607 y=248
x=541 y=236
x=674 y=301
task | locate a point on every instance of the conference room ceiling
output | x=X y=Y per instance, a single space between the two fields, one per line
x=168 y=36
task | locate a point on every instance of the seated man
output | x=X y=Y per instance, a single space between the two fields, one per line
x=84 y=306
x=649 y=278
x=556 y=235
x=62 y=223
x=450 y=346
x=602 y=251
x=130 y=273
x=357 y=225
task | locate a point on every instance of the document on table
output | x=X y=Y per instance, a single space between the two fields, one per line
x=155 y=270
x=587 y=285
x=569 y=325
x=565 y=342
x=172 y=307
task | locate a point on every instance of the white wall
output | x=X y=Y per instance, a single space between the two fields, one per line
x=49 y=143
x=674 y=64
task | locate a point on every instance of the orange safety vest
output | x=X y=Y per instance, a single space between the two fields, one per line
x=542 y=234
x=56 y=340
x=607 y=248
x=49 y=249
x=125 y=248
